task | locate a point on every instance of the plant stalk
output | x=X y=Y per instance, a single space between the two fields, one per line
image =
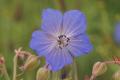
x=75 y=73
x=5 y=73
x=15 y=67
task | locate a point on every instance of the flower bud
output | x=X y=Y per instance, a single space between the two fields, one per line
x=116 y=76
x=42 y=74
x=2 y=61
x=22 y=54
x=31 y=62
x=99 y=68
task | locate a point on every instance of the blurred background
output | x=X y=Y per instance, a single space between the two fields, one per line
x=19 y=18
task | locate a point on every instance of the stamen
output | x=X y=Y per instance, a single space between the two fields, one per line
x=63 y=41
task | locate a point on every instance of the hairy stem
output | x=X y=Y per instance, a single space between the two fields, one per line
x=112 y=62
x=75 y=73
x=56 y=75
x=5 y=72
x=15 y=67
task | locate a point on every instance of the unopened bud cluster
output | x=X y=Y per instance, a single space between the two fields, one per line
x=42 y=73
x=99 y=68
x=116 y=76
x=2 y=61
x=31 y=62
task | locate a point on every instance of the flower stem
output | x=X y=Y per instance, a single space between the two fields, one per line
x=15 y=67
x=112 y=62
x=75 y=70
x=5 y=72
x=56 y=75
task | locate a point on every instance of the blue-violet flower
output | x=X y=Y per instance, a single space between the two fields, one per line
x=61 y=38
x=117 y=32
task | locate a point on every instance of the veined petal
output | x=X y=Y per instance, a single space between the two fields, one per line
x=41 y=42
x=61 y=38
x=74 y=23
x=80 y=45
x=58 y=58
x=52 y=21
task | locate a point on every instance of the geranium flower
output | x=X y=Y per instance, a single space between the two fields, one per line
x=117 y=32
x=62 y=37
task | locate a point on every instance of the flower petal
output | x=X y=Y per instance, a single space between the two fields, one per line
x=58 y=58
x=117 y=32
x=80 y=45
x=52 y=21
x=74 y=23
x=41 y=42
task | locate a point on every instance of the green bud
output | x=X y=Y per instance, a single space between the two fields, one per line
x=31 y=63
x=2 y=61
x=116 y=76
x=99 y=68
x=42 y=74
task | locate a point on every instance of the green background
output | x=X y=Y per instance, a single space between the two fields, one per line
x=19 y=18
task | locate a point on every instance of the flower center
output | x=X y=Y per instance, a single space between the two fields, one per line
x=63 y=41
